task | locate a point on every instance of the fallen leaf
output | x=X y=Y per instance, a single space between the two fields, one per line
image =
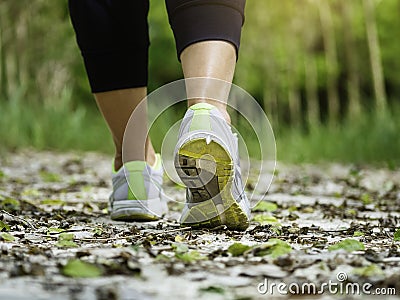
x=180 y=248
x=358 y=233
x=79 y=269
x=52 y=202
x=97 y=231
x=4 y=226
x=265 y=219
x=397 y=235
x=189 y=257
x=348 y=245
x=54 y=230
x=49 y=177
x=366 y=199
x=66 y=240
x=213 y=289
x=238 y=249
x=368 y=271
x=265 y=206
x=7 y=237
x=274 y=248
x=10 y=204
x=31 y=193
x=162 y=258
x=179 y=239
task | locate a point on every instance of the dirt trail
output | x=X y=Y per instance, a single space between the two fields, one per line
x=55 y=230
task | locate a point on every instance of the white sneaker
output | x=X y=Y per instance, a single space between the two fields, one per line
x=142 y=199
x=207 y=161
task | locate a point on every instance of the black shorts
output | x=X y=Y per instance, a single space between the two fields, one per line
x=113 y=34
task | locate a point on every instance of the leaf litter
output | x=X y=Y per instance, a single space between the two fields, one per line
x=315 y=222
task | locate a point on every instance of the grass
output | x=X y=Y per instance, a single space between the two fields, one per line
x=25 y=124
x=368 y=139
x=371 y=138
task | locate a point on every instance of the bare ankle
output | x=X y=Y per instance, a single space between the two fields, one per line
x=220 y=105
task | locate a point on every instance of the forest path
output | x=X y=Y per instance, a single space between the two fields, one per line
x=54 y=222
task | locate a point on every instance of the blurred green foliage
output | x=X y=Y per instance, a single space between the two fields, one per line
x=326 y=72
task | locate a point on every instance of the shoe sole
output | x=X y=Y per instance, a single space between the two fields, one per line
x=214 y=203
x=130 y=211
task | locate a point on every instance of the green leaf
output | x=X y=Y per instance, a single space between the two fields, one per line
x=358 y=233
x=66 y=240
x=368 y=271
x=162 y=258
x=2 y=175
x=79 y=269
x=265 y=206
x=191 y=256
x=366 y=198
x=238 y=249
x=54 y=230
x=4 y=226
x=274 y=248
x=31 y=193
x=351 y=212
x=180 y=248
x=97 y=231
x=348 y=245
x=265 y=219
x=397 y=235
x=49 y=177
x=53 y=202
x=308 y=210
x=213 y=289
x=7 y=237
x=179 y=239
x=66 y=244
x=65 y=236
x=10 y=204
x=276 y=228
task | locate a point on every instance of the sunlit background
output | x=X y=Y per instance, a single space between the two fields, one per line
x=327 y=73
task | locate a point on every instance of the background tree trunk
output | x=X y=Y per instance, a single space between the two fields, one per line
x=311 y=79
x=3 y=61
x=353 y=80
x=375 y=55
x=328 y=34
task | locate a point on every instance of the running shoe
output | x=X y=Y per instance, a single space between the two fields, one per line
x=207 y=161
x=142 y=199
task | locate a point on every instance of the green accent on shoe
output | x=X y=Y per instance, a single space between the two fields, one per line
x=113 y=171
x=136 y=181
x=201 y=116
x=233 y=216
x=202 y=105
x=137 y=217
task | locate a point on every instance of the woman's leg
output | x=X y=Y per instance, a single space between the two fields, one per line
x=207 y=35
x=211 y=59
x=113 y=38
x=117 y=107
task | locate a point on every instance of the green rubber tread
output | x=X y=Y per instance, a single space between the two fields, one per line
x=135 y=217
x=235 y=217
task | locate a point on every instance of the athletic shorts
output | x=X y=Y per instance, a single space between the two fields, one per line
x=113 y=35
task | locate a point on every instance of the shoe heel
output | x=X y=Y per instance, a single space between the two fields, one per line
x=206 y=169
